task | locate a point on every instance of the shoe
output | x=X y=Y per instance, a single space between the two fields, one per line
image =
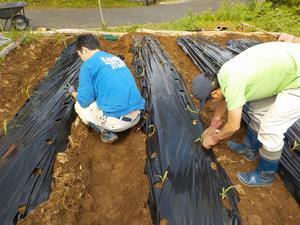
x=249 y=147
x=263 y=175
x=108 y=137
x=95 y=127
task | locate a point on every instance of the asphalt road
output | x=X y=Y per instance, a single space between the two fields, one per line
x=89 y=18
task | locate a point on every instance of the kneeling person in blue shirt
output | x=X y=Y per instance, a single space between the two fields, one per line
x=107 y=98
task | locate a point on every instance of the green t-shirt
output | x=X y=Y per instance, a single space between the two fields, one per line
x=259 y=72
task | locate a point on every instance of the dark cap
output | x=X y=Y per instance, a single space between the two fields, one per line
x=201 y=89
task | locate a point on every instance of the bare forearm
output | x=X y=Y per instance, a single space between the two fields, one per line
x=220 y=109
x=227 y=131
x=232 y=125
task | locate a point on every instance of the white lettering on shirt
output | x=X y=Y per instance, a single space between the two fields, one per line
x=114 y=61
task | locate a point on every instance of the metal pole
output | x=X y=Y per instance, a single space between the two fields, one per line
x=103 y=24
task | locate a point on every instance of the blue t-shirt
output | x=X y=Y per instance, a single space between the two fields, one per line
x=106 y=79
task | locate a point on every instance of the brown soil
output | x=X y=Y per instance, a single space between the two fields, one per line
x=101 y=184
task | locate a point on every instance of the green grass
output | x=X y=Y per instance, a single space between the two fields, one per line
x=79 y=3
x=285 y=2
x=14 y=35
x=29 y=35
x=264 y=15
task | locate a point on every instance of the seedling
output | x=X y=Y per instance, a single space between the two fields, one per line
x=213 y=166
x=200 y=139
x=143 y=73
x=224 y=192
x=153 y=130
x=295 y=146
x=5 y=127
x=162 y=178
x=188 y=108
x=153 y=155
x=26 y=91
x=46 y=73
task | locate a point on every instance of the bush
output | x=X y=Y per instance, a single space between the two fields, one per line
x=285 y=2
x=281 y=18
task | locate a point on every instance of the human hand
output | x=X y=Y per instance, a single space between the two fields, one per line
x=72 y=89
x=215 y=123
x=209 y=137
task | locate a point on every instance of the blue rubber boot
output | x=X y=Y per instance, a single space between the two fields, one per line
x=263 y=175
x=249 y=147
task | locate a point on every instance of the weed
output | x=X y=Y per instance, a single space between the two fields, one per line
x=12 y=34
x=31 y=36
x=62 y=38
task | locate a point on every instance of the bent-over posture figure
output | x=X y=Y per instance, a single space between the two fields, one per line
x=107 y=98
x=268 y=77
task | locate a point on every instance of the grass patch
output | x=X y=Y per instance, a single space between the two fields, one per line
x=14 y=35
x=79 y=3
x=29 y=35
x=264 y=15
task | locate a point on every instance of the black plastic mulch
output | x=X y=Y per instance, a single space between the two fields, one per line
x=185 y=180
x=209 y=57
x=32 y=139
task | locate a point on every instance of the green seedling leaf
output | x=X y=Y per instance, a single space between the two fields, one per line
x=5 y=127
x=27 y=92
x=188 y=108
x=224 y=192
x=153 y=131
x=163 y=178
x=295 y=146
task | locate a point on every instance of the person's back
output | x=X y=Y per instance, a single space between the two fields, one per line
x=114 y=87
x=259 y=72
x=108 y=99
x=267 y=76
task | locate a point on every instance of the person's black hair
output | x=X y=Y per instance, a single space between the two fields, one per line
x=88 y=41
x=214 y=80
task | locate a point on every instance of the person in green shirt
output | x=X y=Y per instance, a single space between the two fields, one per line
x=267 y=77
